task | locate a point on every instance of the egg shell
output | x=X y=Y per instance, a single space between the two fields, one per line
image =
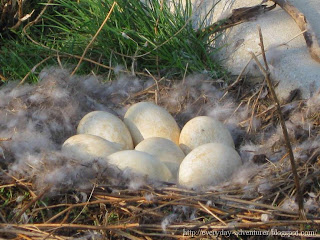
x=88 y=147
x=141 y=163
x=146 y=120
x=107 y=126
x=208 y=164
x=201 y=130
x=165 y=150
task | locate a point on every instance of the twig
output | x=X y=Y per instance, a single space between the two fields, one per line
x=33 y=69
x=238 y=78
x=19 y=183
x=3 y=78
x=37 y=18
x=71 y=226
x=166 y=41
x=59 y=214
x=226 y=91
x=17 y=217
x=126 y=235
x=65 y=54
x=20 y=14
x=94 y=37
x=156 y=92
x=237 y=225
x=185 y=73
x=90 y=196
x=255 y=103
x=238 y=16
x=212 y=214
x=302 y=22
x=5 y=139
x=266 y=73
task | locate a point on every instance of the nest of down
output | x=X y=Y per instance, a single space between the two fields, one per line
x=45 y=194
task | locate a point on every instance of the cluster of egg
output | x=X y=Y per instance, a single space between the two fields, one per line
x=149 y=142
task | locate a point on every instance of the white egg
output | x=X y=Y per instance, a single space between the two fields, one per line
x=141 y=163
x=107 y=126
x=146 y=120
x=202 y=130
x=207 y=165
x=165 y=150
x=88 y=147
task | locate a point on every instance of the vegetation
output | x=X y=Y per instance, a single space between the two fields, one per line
x=140 y=36
x=144 y=37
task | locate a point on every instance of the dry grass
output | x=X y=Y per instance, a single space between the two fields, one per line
x=167 y=211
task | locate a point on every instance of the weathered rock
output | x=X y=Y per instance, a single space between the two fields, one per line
x=290 y=64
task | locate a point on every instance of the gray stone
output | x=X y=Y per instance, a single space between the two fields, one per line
x=290 y=64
